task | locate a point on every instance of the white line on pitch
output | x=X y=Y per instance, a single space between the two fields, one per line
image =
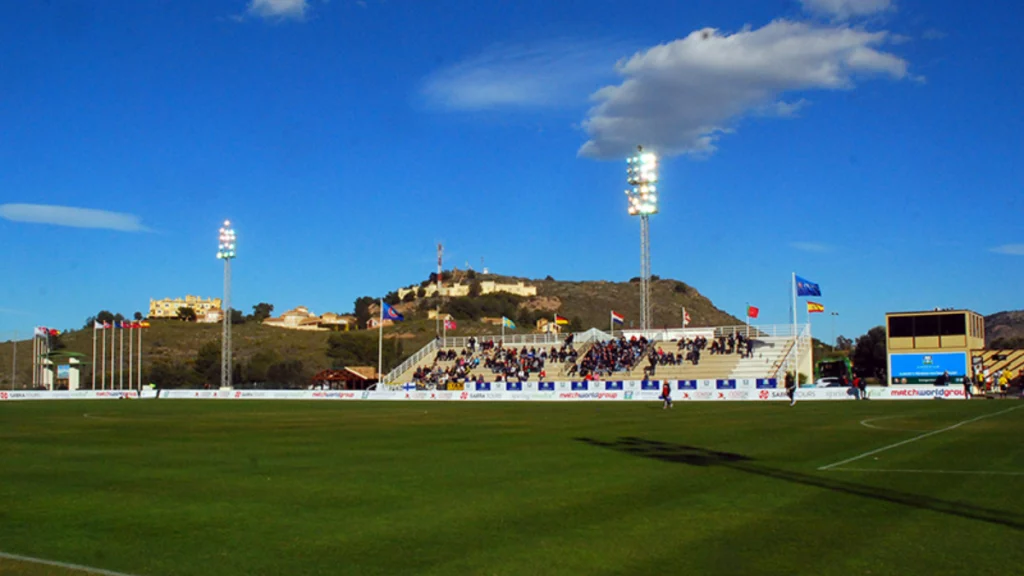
x=64 y=565
x=916 y=438
x=982 y=472
x=867 y=424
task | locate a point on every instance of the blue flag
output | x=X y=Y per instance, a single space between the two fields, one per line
x=807 y=288
x=392 y=314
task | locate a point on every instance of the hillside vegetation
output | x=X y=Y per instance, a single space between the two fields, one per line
x=178 y=353
x=1005 y=329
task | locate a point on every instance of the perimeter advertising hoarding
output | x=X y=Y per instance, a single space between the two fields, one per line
x=925 y=368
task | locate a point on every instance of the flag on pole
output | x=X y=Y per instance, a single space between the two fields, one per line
x=805 y=287
x=618 y=318
x=753 y=311
x=117 y=324
x=143 y=324
x=506 y=323
x=390 y=313
x=561 y=320
x=815 y=308
x=40 y=331
x=106 y=325
x=686 y=319
x=449 y=325
x=98 y=326
x=53 y=332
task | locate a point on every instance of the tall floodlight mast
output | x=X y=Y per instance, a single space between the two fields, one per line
x=642 y=193
x=226 y=252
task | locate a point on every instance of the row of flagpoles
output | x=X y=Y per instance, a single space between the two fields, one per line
x=117 y=372
x=40 y=351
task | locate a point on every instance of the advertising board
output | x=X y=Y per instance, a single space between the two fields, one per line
x=919 y=368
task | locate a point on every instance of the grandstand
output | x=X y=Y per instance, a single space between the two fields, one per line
x=774 y=349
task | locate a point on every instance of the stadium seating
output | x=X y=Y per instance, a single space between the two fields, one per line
x=769 y=352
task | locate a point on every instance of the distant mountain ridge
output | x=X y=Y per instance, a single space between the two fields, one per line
x=1005 y=329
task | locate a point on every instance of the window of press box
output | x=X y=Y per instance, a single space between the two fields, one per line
x=926 y=326
x=901 y=327
x=953 y=324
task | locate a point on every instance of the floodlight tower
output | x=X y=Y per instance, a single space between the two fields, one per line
x=643 y=201
x=226 y=252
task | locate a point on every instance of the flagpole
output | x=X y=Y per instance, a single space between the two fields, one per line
x=120 y=364
x=93 y=359
x=502 y=330
x=103 y=362
x=611 y=324
x=14 y=360
x=113 y=352
x=380 y=345
x=131 y=359
x=139 y=367
x=796 y=335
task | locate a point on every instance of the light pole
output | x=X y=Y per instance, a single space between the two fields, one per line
x=642 y=176
x=226 y=252
x=834 y=342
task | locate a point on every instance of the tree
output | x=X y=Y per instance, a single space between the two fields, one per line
x=237 y=317
x=421 y=292
x=170 y=375
x=869 y=354
x=207 y=363
x=103 y=316
x=258 y=369
x=409 y=296
x=360 y=349
x=474 y=289
x=844 y=343
x=186 y=314
x=362 y=309
x=391 y=298
x=262 y=311
x=575 y=324
x=471 y=274
x=288 y=374
x=138 y=316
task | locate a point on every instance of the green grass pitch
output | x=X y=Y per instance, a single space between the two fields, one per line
x=165 y=488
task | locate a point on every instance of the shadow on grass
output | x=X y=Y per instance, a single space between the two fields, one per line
x=694 y=456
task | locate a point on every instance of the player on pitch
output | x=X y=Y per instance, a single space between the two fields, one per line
x=666 y=395
x=791 y=388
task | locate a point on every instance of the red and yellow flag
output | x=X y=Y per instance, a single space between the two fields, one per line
x=561 y=320
x=814 y=307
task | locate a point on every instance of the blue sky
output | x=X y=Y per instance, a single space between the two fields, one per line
x=872 y=146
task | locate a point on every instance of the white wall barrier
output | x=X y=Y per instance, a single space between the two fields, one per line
x=628 y=390
x=68 y=395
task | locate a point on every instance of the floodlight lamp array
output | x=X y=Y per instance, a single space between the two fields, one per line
x=226 y=250
x=642 y=175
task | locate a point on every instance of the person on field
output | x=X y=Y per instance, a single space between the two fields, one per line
x=943 y=379
x=666 y=395
x=967 y=386
x=791 y=388
x=861 y=385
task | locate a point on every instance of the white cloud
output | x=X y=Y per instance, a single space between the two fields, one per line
x=844 y=9
x=933 y=34
x=278 y=9
x=679 y=97
x=1009 y=249
x=73 y=217
x=816 y=247
x=550 y=74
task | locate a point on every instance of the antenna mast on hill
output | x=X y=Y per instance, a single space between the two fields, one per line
x=437 y=316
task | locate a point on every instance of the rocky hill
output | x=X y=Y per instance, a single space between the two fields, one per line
x=1005 y=329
